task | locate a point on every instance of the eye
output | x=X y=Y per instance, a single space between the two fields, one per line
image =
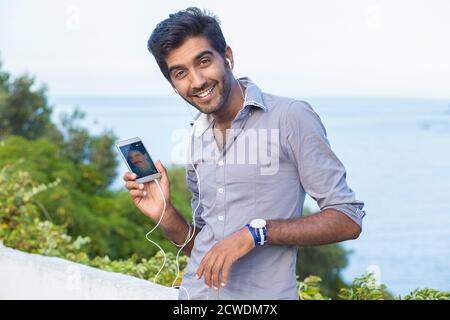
x=205 y=61
x=179 y=74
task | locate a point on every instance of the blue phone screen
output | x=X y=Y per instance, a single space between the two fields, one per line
x=138 y=159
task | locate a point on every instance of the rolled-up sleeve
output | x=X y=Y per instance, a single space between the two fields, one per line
x=191 y=180
x=321 y=173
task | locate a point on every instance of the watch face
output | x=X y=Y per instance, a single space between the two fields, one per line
x=258 y=223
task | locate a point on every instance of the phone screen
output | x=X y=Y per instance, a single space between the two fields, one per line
x=138 y=159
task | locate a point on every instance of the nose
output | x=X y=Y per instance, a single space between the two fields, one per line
x=198 y=81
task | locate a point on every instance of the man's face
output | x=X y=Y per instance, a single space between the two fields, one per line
x=138 y=159
x=199 y=74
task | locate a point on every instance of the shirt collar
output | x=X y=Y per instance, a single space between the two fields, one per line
x=253 y=97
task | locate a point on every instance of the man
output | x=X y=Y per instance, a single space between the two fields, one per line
x=138 y=162
x=248 y=223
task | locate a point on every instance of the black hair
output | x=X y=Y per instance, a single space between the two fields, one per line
x=170 y=34
x=136 y=147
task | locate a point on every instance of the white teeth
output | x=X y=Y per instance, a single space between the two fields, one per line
x=204 y=94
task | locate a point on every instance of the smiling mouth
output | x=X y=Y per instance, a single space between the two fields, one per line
x=205 y=93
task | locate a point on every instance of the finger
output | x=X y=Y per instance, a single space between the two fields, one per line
x=131 y=185
x=215 y=272
x=207 y=275
x=225 y=272
x=138 y=193
x=201 y=267
x=129 y=176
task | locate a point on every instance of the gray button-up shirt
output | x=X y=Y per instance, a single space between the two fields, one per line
x=276 y=153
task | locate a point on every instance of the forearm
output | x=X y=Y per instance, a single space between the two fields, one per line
x=327 y=226
x=176 y=228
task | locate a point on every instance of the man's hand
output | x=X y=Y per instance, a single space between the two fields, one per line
x=222 y=256
x=147 y=196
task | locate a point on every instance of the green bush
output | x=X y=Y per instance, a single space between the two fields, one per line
x=309 y=289
x=325 y=261
x=427 y=294
x=365 y=288
x=110 y=219
x=21 y=228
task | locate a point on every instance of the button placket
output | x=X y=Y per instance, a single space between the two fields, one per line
x=220 y=198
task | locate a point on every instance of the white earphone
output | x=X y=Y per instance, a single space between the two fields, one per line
x=229 y=63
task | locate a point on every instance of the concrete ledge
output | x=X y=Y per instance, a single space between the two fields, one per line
x=31 y=276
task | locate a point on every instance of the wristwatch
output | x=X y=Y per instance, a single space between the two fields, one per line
x=258 y=230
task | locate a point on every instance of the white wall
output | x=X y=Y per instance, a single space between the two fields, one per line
x=32 y=276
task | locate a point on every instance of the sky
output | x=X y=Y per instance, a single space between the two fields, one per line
x=298 y=48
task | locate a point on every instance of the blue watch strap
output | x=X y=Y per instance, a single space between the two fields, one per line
x=252 y=231
x=262 y=235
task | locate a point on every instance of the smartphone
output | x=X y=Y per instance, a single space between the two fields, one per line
x=138 y=160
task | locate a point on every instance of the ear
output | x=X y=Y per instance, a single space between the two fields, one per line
x=229 y=58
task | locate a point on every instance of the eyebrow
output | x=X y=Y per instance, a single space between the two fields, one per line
x=197 y=57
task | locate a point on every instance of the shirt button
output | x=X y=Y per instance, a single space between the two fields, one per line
x=220 y=163
x=220 y=218
x=220 y=190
